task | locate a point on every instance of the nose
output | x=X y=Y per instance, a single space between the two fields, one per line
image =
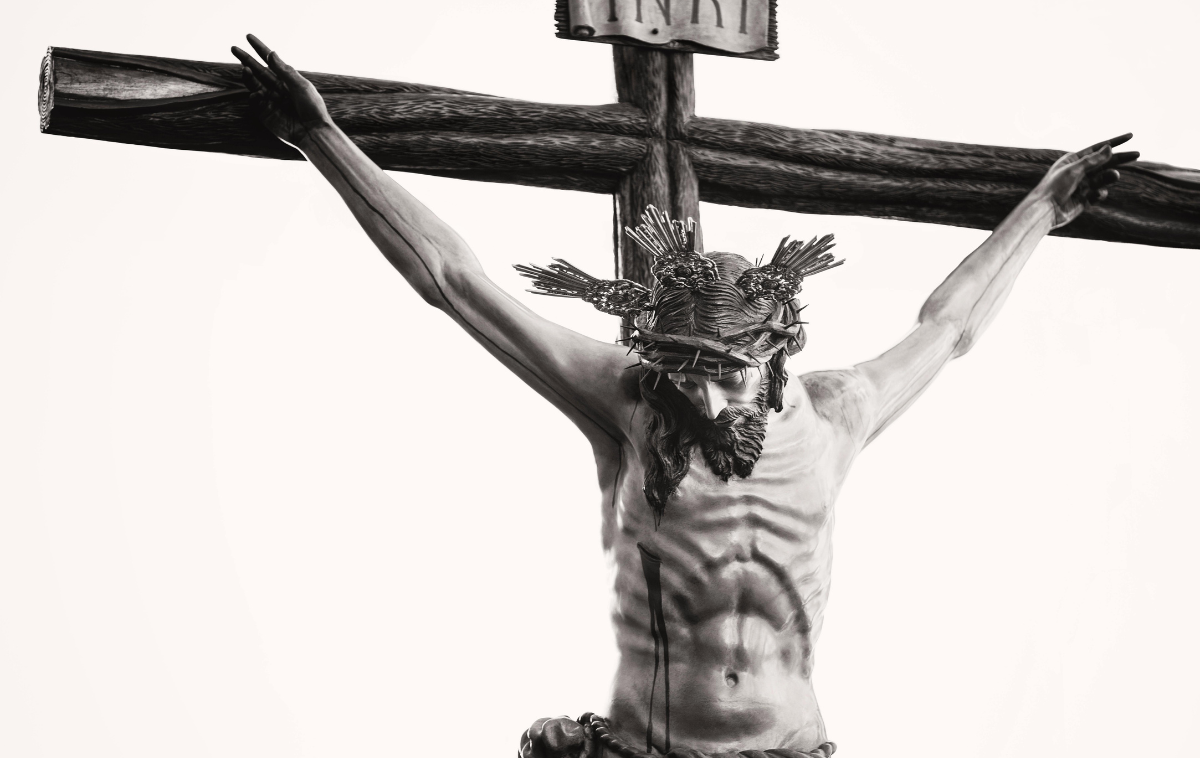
x=714 y=400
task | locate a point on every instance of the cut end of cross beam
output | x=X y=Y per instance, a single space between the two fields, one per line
x=46 y=89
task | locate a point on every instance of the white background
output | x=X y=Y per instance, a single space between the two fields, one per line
x=257 y=499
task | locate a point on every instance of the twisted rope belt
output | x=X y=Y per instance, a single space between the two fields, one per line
x=597 y=728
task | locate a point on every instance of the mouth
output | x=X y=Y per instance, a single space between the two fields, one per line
x=731 y=417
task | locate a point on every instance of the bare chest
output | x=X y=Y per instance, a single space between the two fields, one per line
x=790 y=492
x=756 y=540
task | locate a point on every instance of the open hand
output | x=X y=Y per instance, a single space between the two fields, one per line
x=1076 y=180
x=283 y=100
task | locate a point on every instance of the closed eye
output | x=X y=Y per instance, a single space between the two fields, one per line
x=683 y=381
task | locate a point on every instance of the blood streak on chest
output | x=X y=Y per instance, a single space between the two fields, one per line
x=730 y=584
x=751 y=547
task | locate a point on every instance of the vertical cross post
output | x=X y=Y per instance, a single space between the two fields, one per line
x=661 y=84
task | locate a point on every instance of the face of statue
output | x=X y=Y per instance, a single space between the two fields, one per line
x=726 y=419
x=710 y=396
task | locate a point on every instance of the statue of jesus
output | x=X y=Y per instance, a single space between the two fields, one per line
x=719 y=468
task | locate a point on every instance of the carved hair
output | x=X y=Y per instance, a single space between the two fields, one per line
x=707 y=314
x=676 y=427
x=720 y=307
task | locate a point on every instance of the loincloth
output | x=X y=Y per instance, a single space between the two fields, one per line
x=589 y=737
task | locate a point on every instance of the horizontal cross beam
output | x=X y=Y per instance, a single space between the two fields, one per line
x=192 y=105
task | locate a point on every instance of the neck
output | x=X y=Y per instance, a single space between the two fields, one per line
x=730 y=448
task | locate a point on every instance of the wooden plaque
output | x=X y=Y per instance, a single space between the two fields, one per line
x=738 y=28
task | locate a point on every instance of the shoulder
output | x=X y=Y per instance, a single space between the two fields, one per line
x=841 y=397
x=827 y=389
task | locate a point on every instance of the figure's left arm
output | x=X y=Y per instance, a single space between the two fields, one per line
x=961 y=308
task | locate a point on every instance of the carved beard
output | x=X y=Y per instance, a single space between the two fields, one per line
x=732 y=443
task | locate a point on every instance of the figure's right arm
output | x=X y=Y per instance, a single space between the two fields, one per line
x=584 y=378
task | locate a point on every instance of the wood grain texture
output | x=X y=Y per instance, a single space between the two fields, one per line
x=1105 y=222
x=685 y=186
x=191 y=105
x=854 y=173
x=649 y=183
x=644 y=82
x=649 y=148
x=365 y=113
x=681 y=95
x=660 y=85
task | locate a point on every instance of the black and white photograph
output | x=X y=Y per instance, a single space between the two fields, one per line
x=503 y=378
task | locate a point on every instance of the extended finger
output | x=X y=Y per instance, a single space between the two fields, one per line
x=1127 y=157
x=274 y=62
x=259 y=71
x=1121 y=140
x=263 y=51
x=1115 y=141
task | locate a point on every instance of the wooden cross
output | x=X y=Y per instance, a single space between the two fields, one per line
x=648 y=148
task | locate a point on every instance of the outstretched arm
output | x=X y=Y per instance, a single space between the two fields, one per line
x=960 y=309
x=583 y=377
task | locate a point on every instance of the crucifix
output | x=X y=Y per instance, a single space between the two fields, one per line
x=647 y=149
x=666 y=168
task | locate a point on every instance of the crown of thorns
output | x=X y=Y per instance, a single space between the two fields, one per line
x=677 y=264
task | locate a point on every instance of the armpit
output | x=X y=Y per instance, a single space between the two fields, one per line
x=842 y=398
